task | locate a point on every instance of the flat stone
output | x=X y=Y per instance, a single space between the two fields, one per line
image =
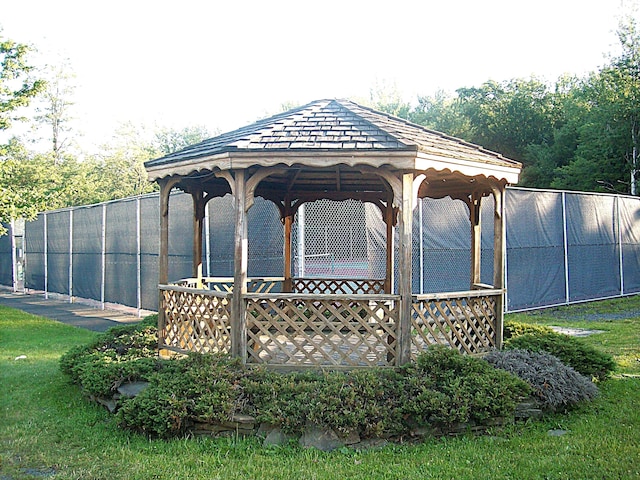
x=132 y=389
x=576 y=332
x=323 y=439
x=350 y=438
x=557 y=433
x=109 y=403
x=277 y=437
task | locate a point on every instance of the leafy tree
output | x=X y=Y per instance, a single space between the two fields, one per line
x=441 y=112
x=606 y=156
x=508 y=117
x=54 y=111
x=387 y=98
x=26 y=184
x=17 y=86
x=167 y=141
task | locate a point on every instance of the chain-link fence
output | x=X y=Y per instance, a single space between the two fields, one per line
x=562 y=247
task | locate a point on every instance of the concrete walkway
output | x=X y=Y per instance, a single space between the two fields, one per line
x=76 y=314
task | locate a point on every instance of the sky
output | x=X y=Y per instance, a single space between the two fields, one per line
x=224 y=64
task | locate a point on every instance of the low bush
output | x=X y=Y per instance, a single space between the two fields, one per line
x=364 y=401
x=441 y=388
x=122 y=354
x=516 y=329
x=553 y=383
x=570 y=350
x=202 y=388
x=444 y=387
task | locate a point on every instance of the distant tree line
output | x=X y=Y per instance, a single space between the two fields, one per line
x=577 y=133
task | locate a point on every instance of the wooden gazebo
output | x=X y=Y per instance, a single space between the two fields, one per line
x=337 y=150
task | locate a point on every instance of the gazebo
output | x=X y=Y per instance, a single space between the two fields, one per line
x=336 y=150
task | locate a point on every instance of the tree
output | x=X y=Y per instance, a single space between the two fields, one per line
x=621 y=83
x=387 y=98
x=441 y=112
x=55 y=106
x=606 y=156
x=508 y=117
x=17 y=86
x=167 y=141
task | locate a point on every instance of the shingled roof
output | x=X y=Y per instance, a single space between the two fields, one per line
x=333 y=132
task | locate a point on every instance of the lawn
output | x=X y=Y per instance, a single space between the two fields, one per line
x=48 y=430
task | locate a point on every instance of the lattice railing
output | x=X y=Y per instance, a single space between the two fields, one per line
x=338 y=286
x=225 y=284
x=298 y=329
x=195 y=321
x=465 y=321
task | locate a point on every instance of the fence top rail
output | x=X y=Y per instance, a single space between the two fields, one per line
x=199 y=291
x=321 y=297
x=451 y=295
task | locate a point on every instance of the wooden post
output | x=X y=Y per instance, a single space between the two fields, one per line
x=388 y=220
x=288 y=223
x=404 y=274
x=163 y=258
x=476 y=238
x=499 y=247
x=198 y=222
x=241 y=252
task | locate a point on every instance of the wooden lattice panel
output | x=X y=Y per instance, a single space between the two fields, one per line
x=466 y=323
x=225 y=284
x=338 y=286
x=321 y=331
x=196 y=321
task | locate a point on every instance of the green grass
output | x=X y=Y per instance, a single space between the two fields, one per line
x=48 y=428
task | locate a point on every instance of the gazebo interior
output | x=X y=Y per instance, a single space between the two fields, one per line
x=336 y=150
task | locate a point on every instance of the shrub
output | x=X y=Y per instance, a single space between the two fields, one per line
x=516 y=329
x=570 y=350
x=554 y=383
x=441 y=388
x=123 y=353
x=365 y=401
x=445 y=387
x=197 y=388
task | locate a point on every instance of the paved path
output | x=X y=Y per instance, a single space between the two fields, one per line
x=75 y=314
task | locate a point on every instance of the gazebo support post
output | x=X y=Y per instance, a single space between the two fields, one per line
x=403 y=354
x=166 y=185
x=288 y=223
x=476 y=238
x=241 y=252
x=388 y=220
x=198 y=222
x=499 y=246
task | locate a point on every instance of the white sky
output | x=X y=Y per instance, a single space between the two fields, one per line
x=224 y=64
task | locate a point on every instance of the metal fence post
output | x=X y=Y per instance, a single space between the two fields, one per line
x=71 y=256
x=45 y=254
x=103 y=256
x=138 y=259
x=14 y=257
x=619 y=219
x=566 y=247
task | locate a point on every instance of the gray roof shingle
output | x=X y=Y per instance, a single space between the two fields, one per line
x=332 y=125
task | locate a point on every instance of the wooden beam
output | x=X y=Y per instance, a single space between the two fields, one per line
x=288 y=222
x=240 y=261
x=198 y=221
x=389 y=222
x=403 y=353
x=474 y=205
